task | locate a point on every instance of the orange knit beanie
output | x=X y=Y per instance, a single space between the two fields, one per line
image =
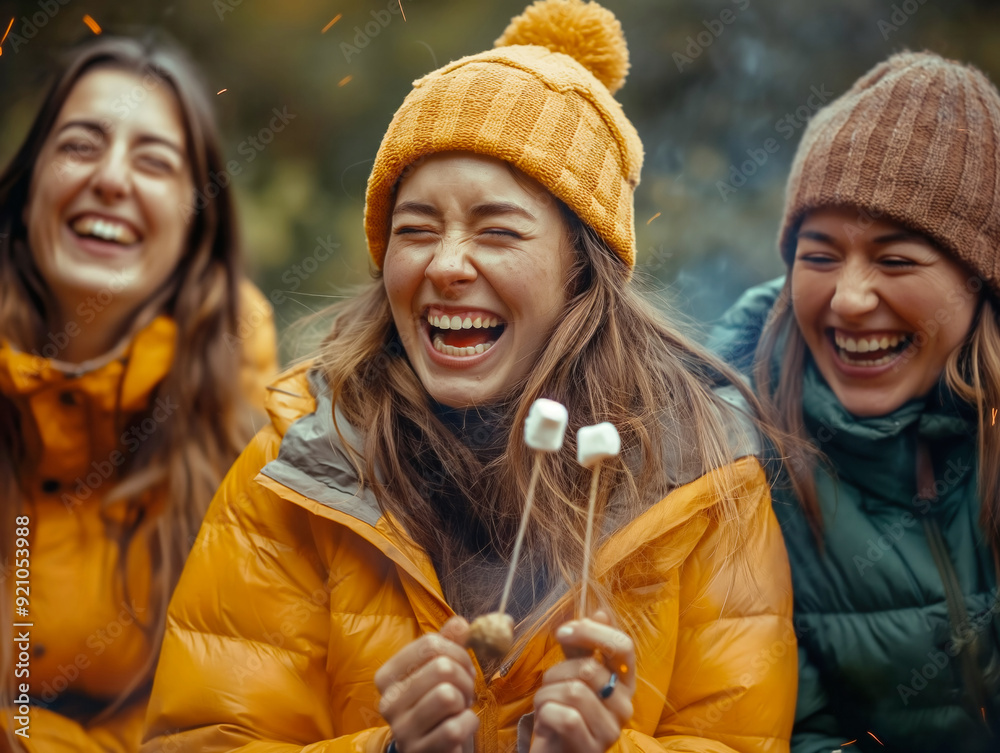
x=542 y=101
x=916 y=140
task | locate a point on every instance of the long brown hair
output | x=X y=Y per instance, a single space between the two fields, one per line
x=612 y=356
x=971 y=372
x=185 y=459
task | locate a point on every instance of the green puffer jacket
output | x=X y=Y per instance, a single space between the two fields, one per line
x=879 y=657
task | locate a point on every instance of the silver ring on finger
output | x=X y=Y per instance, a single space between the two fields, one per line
x=609 y=687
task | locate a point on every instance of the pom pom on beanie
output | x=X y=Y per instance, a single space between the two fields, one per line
x=588 y=33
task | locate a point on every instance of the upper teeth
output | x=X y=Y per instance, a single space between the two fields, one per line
x=866 y=344
x=457 y=322
x=105 y=229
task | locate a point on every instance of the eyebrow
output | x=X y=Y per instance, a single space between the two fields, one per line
x=882 y=240
x=481 y=211
x=815 y=235
x=145 y=138
x=478 y=212
x=416 y=207
x=900 y=235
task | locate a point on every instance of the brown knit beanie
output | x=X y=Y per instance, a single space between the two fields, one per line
x=541 y=101
x=916 y=140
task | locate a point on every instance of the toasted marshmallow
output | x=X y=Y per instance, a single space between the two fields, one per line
x=596 y=443
x=545 y=426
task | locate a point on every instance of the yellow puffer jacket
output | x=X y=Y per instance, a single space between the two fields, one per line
x=297 y=590
x=85 y=637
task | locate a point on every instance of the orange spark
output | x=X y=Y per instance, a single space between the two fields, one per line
x=5 y=35
x=335 y=19
x=994 y=417
x=220 y=91
x=653 y=217
x=94 y=27
x=344 y=80
x=844 y=745
x=876 y=739
x=401 y=9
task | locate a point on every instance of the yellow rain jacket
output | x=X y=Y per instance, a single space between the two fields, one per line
x=85 y=638
x=297 y=590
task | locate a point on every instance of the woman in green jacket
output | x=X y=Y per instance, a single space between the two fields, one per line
x=881 y=350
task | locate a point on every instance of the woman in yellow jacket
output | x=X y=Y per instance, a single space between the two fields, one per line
x=122 y=307
x=326 y=603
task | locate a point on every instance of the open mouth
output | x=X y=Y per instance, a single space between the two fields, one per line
x=869 y=350
x=464 y=335
x=104 y=229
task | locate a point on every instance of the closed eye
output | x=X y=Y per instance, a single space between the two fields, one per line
x=413 y=233
x=502 y=233
x=155 y=163
x=81 y=148
x=815 y=258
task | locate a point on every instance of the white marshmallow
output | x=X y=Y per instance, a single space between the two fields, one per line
x=596 y=443
x=546 y=425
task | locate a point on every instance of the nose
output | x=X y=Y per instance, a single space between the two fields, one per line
x=112 y=178
x=855 y=294
x=451 y=268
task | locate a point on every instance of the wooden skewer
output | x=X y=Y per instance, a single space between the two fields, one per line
x=528 y=502
x=491 y=635
x=588 y=539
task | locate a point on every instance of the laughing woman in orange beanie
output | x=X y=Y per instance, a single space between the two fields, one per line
x=120 y=301
x=327 y=601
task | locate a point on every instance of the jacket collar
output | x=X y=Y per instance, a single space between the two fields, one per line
x=72 y=416
x=123 y=382
x=313 y=470
x=872 y=452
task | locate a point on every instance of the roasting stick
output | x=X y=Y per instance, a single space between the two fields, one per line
x=492 y=635
x=594 y=444
x=528 y=502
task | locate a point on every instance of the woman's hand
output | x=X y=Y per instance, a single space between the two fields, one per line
x=570 y=712
x=428 y=689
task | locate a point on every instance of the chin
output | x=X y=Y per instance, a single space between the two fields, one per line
x=870 y=406
x=460 y=396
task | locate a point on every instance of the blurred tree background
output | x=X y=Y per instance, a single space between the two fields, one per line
x=711 y=82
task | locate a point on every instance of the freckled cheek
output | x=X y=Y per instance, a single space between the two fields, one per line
x=401 y=282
